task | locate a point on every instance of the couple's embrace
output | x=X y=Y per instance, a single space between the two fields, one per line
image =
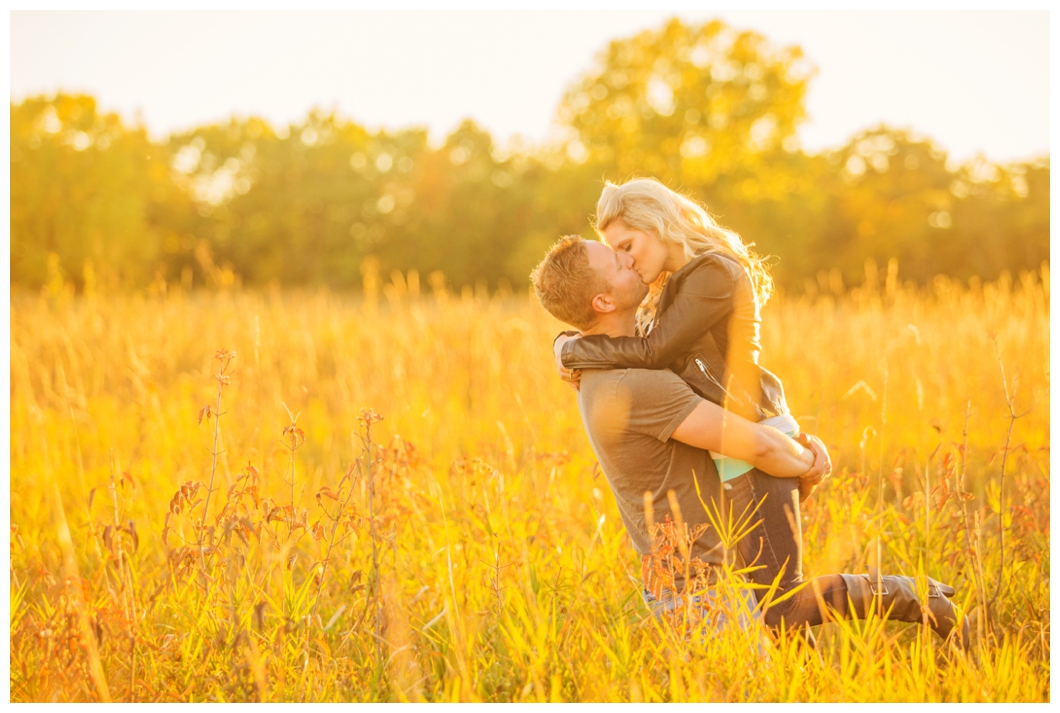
x=678 y=409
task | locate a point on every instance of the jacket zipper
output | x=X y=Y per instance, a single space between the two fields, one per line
x=706 y=373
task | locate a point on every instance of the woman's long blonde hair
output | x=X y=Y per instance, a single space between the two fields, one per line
x=647 y=205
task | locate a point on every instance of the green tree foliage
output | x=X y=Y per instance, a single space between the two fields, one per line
x=687 y=104
x=88 y=190
x=298 y=208
x=708 y=110
x=310 y=206
x=1001 y=218
x=461 y=223
x=892 y=199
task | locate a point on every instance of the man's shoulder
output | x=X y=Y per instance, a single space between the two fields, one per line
x=638 y=387
x=619 y=402
x=597 y=378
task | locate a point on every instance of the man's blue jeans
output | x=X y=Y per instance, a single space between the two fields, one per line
x=718 y=608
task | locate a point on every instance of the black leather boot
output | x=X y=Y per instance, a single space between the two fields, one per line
x=897 y=595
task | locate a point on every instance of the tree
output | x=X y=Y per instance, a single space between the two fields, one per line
x=891 y=197
x=310 y=203
x=86 y=189
x=471 y=211
x=1001 y=215
x=686 y=104
x=304 y=207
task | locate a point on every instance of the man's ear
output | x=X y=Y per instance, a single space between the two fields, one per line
x=602 y=303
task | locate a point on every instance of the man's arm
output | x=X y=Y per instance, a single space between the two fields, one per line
x=712 y=428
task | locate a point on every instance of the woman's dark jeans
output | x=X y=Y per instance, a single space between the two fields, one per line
x=774 y=546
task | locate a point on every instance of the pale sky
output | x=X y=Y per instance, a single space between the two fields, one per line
x=975 y=82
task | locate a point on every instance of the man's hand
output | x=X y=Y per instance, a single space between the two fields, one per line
x=822 y=462
x=821 y=468
x=571 y=376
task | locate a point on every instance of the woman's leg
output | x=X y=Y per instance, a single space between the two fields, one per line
x=773 y=547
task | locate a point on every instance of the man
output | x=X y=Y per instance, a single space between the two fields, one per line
x=651 y=434
x=649 y=430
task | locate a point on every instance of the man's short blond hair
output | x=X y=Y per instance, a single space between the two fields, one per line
x=566 y=285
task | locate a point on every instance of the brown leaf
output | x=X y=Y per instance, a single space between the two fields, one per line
x=135 y=537
x=108 y=538
x=204 y=412
x=297 y=435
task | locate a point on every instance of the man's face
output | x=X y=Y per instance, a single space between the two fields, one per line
x=627 y=290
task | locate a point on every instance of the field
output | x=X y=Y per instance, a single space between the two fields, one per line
x=245 y=528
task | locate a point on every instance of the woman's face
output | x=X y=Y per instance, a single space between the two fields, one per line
x=648 y=252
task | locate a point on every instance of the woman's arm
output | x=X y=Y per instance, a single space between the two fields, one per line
x=704 y=297
x=712 y=428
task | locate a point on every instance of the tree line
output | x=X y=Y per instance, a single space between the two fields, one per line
x=706 y=109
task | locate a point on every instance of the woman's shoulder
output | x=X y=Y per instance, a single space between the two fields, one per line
x=711 y=266
x=719 y=260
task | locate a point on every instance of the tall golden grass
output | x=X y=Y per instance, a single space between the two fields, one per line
x=465 y=547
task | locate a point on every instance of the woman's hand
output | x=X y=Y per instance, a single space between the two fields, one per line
x=571 y=376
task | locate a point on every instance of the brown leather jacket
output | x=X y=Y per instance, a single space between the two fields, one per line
x=707 y=331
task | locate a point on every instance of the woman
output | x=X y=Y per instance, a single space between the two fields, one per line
x=708 y=288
